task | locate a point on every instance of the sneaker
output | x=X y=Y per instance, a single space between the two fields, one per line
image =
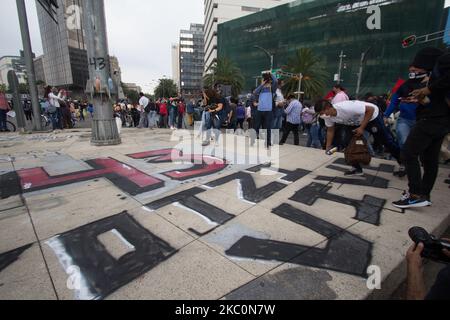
x=409 y=202
x=354 y=173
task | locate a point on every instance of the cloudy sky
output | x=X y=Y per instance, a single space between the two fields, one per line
x=140 y=33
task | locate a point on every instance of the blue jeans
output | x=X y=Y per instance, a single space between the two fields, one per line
x=152 y=122
x=3 y=119
x=277 y=122
x=404 y=127
x=54 y=118
x=172 y=117
x=314 y=137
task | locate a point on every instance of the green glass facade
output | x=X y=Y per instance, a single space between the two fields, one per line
x=329 y=27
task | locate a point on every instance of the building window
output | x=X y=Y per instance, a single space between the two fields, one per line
x=187 y=43
x=250 y=9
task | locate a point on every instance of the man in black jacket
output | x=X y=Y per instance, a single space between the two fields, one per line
x=433 y=123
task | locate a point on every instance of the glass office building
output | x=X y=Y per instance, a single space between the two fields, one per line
x=330 y=27
x=65 y=59
x=191 y=56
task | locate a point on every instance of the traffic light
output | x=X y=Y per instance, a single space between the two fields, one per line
x=409 y=41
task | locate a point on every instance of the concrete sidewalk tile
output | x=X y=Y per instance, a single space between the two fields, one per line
x=11 y=203
x=26 y=278
x=16 y=229
x=261 y=224
x=195 y=273
x=117 y=245
x=55 y=213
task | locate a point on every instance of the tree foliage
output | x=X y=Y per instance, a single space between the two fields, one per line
x=305 y=61
x=166 y=88
x=225 y=72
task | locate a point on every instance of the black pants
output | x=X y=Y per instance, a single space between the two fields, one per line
x=425 y=141
x=29 y=115
x=264 y=119
x=294 y=128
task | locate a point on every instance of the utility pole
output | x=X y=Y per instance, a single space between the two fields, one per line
x=361 y=68
x=341 y=61
x=300 y=76
x=28 y=57
x=13 y=83
x=104 y=127
x=358 y=85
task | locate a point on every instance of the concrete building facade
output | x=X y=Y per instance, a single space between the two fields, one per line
x=15 y=63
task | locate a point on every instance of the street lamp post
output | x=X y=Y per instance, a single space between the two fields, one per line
x=268 y=54
x=341 y=61
x=361 y=68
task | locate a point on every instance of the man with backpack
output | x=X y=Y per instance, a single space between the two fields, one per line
x=357 y=117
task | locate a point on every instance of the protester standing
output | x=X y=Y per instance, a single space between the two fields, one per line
x=293 y=112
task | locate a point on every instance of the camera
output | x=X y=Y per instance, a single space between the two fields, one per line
x=433 y=246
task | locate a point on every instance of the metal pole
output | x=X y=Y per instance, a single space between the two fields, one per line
x=271 y=62
x=17 y=106
x=358 y=86
x=300 y=86
x=28 y=56
x=104 y=127
x=341 y=57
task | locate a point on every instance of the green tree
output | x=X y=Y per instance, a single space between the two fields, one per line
x=23 y=88
x=131 y=95
x=166 y=88
x=225 y=72
x=305 y=61
x=3 y=88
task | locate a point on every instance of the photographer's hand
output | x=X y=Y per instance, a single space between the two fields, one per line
x=416 y=283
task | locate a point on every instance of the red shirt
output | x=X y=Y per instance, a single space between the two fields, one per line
x=3 y=102
x=163 y=109
x=181 y=108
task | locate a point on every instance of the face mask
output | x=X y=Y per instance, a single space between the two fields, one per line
x=417 y=76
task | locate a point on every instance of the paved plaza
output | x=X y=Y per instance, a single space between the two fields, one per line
x=160 y=217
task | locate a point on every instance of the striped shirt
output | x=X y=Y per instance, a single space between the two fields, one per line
x=293 y=111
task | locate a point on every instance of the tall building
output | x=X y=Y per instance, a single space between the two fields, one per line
x=65 y=57
x=39 y=69
x=15 y=63
x=220 y=11
x=132 y=87
x=191 y=60
x=330 y=27
x=176 y=64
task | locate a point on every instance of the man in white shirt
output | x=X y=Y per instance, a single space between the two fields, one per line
x=357 y=116
x=143 y=103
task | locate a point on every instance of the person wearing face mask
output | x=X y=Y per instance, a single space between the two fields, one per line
x=418 y=78
x=433 y=123
x=358 y=117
